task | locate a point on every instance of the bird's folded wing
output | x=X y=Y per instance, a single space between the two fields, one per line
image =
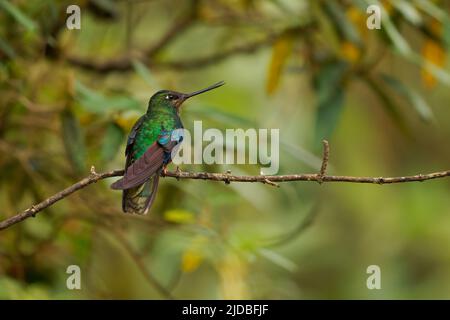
x=142 y=169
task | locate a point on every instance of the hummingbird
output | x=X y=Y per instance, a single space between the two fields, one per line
x=149 y=148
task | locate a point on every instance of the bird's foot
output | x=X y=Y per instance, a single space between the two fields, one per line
x=227 y=174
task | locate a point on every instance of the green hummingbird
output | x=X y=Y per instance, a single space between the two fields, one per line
x=149 y=148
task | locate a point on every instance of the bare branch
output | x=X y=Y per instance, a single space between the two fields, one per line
x=305 y=177
x=217 y=57
x=34 y=209
x=227 y=177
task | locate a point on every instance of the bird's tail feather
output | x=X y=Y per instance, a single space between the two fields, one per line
x=139 y=199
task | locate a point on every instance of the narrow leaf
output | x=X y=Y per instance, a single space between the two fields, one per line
x=408 y=11
x=343 y=25
x=143 y=72
x=278 y=259
x=95 y=102
x=329 y=87
x=442 y=75
x=18 y=15
x=114 y=136
x=446 y=33
x=435 y=54
x=394 y=35
x=414 y=98
x=73 y=139
x=7 y=49
x=430 y=8
x=387 y=103
x=280 y=52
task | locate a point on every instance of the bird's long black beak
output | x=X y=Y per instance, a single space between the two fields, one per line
x=214 y=86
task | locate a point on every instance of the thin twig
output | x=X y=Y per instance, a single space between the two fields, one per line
x=325 y=157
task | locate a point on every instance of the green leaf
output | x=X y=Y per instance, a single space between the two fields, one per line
x=278 y=259
x=142 y=70
x=436 y=71
x=395 y=37
x=446 y=33
x=219 y=116
x=73 y=138
x=416 y=100
x=94 y=102
x=397 y=40
x=430 y=8
x=114 y=136
x=21 y=184
x=344 y=27
x=18 y=15
x=7 y=49
x=330 y=100
x=387 y=103
x=408 y=11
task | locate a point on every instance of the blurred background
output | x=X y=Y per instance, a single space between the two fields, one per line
x=68 y=99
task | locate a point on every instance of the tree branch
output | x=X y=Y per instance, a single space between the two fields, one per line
x=34 y=209
x=124 y=64
x=141 y=265
x=227 y=177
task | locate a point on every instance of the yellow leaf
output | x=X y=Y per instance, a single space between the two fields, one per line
x=179 y=216
x=387 y=6
x=233 y=272
x=350 y=51
x=436 y=28
x=358 y=18
x=433 y=52
x=193 y=257
x=280 y=52
x=191 y=260
x=126 y=121
x=86 y=118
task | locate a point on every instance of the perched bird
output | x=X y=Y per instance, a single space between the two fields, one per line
x=149 y=147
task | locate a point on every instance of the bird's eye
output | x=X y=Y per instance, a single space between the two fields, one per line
x=171 y=97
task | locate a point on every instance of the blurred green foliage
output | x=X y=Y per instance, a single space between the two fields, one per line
x=311 y=68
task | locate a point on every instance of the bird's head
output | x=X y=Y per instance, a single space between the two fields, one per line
x=173 y=99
